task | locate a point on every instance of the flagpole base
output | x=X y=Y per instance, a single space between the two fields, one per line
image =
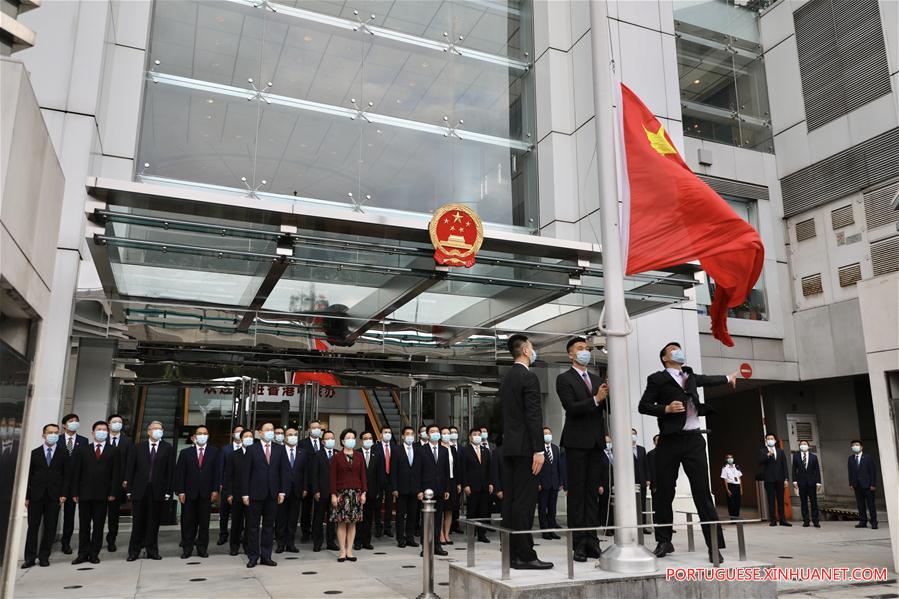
x=628 y=559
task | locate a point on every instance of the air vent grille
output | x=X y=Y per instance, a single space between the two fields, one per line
x=850 y=274
x=805 y=230
x=811 y=285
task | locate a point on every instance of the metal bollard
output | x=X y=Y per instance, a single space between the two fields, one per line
x=428 y=509
x=690 y=544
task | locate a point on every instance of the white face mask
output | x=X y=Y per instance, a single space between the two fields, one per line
x=770 y=442
x=156 y=433
x=100 y=435
x=454 y=436
x=73 y=425
x=279 y=437
x=634 y=438
x=583 y=357
x=609 y=445
x=367 y=443
x=115 y=426
x=237 y=436
x=445 y=438
x=803 y=447
x=201 y=439
x=409 y=439
x=268 y=435
x=484 y=436
x=316 y=433
x=386 y=436
x=476 y=439
x=247 y=441
x=292 y=439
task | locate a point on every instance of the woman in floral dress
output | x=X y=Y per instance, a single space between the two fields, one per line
x=348 y=487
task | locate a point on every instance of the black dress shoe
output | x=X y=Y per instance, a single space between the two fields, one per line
x=440 y=551
x=368 y=546
x=772 y=523
x=861 y=526
x=874 y=527
x=292 y=549
x=388 y=532
x=594 y=552
x=233 y=551
x=805 y=525
x=333 y=547
x=131 y=557
x=357 y=547
x=816 y=525
x=44 y=562
x=202 y=553
x=401 y=544
x=222 y=540
x=785 y=523
x=663 y=549
x=79 y=560
x=555 y=536
x=533 y=565
x=268 y=562
x=94 y=559
x=316 y=548
x=411 y=543
x=67 y=549
x=251 y=563
x=155 y=556
x=27 y=564
x=548 y=536
x=185 y=555
x=720 y=558
x=579 y=556
x=279 y=549
x=111 y=548
x=483 y=539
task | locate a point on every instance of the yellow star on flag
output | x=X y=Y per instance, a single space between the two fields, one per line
x=659 y=141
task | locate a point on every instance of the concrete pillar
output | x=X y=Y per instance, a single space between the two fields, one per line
x=94 y=386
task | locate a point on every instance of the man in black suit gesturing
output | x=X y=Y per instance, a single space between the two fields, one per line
x=776 y=477
x=266 y=475
x=671 y=395
x=522 y=451
x=44 y=494
x=807 y=481
x=149 y=484
x=583 y=396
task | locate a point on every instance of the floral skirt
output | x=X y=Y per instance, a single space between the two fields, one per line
x=349 y=506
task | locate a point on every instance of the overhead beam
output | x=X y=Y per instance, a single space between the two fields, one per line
x=275 y=272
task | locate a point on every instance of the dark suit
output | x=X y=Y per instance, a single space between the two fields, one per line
x=497 y=467
x=46 y=484
x=774 y=474
x=384 y=499
x=807 y=478
x=68 y=508
x=678 y=447
x=863 y=476
x=583 y=439
x=641 y=475
x=522 y=438
x=434 y=474
x=93 y=481
x=323 y=530
x=297 y=485
x=476 y=478
x=232 y=486
x=404 y=481
x=126 y=448
x=225 y=509
x=552 y=478
x=149 y=484
x=375 y=480
x=308 y=503
x=263 y=480
x=196 y=483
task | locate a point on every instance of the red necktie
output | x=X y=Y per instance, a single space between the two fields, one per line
x=97 y=453
x=387 y=456
x=201 y=457
x=268 y=454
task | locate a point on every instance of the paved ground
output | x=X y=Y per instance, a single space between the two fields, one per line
x=393 y=572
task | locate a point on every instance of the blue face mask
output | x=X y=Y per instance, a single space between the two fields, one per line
x=247 y=441
x=52 y=438
x=484 y=435
x=329 y=443
x=445 y=438
x=547 y=438
x=201 y=439
x=268 y=435
x=533 y=356
x=454 y=436
x=435 y=437
x=100 y=435
x=678 y=356
x=367 y=443
x=349 y=443
x=583 y=357
x=409 y=439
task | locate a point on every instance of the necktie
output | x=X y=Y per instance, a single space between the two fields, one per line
x=315 y=442
x=329 y=455
x=69 y=444
x=409 y=454
x=549 y=454
x=435 y=454
x=291 y=457
x=97 y=453
x=152 y=459
x=115 y=441
x=477 y=452
x=268 y=454
x=387 y=456
x=49 y=456
x=366 y=458
x=201 y=457
x=586 y=378
x=805 y=460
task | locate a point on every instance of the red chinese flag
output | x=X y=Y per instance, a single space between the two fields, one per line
x=676 y=218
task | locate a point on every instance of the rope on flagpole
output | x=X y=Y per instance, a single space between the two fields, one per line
x=628 y=327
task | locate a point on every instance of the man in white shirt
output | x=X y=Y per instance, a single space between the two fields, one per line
x=731 y=475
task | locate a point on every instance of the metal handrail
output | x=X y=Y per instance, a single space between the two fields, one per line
x=505 y=533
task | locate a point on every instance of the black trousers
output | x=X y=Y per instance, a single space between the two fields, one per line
x=406 y=516
x=864 y=499
x=91 y=517
x=364 y=528
x=808 y=496
x=145 y=517
x=584 y=475
x=775 y=494
x=519 y=501
x=68 y=521
x=478 y=506
x=687 y=450
x=733 y=501
x=261 y=511
x=323 y=530
x=385 y=502
x=224 y=516
x=546 y=507
x=286 y=520
x=238 y=524
x=112 y=520
x=306 y=515
x=44 y=511
x=195 y=524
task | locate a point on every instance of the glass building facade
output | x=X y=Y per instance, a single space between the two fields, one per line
x=371 y=105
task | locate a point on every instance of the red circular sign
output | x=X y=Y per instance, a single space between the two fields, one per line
x=745 y=370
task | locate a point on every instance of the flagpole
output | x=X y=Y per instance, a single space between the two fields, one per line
x=625 y=555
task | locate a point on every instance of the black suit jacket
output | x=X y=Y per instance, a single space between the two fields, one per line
x=522 y=412
x=163 y=470
x=265 y=480
x=47 y=482
x=475 y=474
x=126 y=449
x=193 y=481
x=298 y=476
x=91 y=479
x=584 y=421
x=320 y=474
x=232 y=479
x=374 y=473
x=79 y=441
x=379 y=449
x=433 y=475
x=651 y=467
x=803 y=475
x=864 y=474
x=404 y=477
x=496 y=469
x=774 y=468
x=552 y=475
x=641 y=474
x=662 y=389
